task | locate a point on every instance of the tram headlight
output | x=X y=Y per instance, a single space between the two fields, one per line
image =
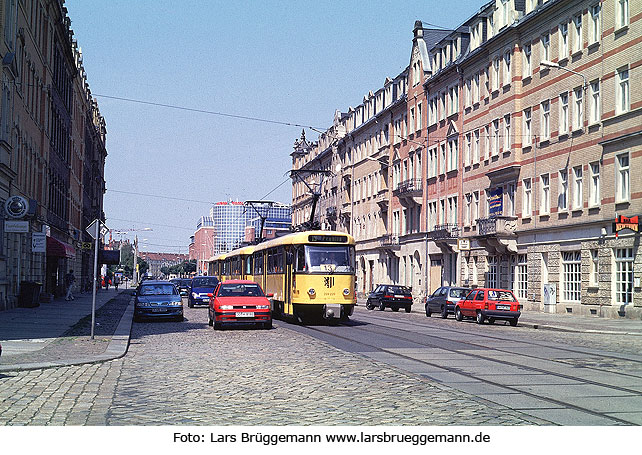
x=346 y=292
x=311 y=291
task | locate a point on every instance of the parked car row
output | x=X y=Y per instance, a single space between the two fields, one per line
x=481 y=304
x=232 y=302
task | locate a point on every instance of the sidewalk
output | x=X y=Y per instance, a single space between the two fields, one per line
x=57 y=333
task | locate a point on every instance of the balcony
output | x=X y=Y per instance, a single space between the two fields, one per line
x=389 y=242
x=382 y=199
x=444 y=232
x=409 y=191
x=498 y=232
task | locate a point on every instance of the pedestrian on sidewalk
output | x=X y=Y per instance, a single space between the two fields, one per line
x=116 y=282
x=70 y=279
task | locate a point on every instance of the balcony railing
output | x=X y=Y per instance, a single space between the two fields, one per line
x=500 y=225
x=389 y=240
x=445 y=231
x=408 y=186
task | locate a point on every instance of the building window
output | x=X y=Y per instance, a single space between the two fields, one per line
x=510 y=200
x=595 y=107
x=572 y=276
x=577 y=188
x=577 y=33
x=622 y=13
x=526 y=61
x=594 y=275
x=487 y=142
x=495 y=82
x=476 y=88
x=578 y=110
x=491 y=276
x=527 y=128
x=622 y=91
x=594 y=188
x=443 y=158
x=546 y=47
x=522 y=277
x=624 y=276
x=596 y=27
x=527 y=198
x=507 y=137
x=622 y=181
x=452 y=210
x=475 y=209
x=563 y=45
x=507 y=69
x=563 y=124
x=495 y=144
x=546 y=120
x=545 y=194
x=468 y=211
x=452 y=154
x=562 y=197
x=419 y=117
x=476 y=147
x=468 y=150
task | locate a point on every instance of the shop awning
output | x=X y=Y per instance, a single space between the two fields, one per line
x=60 y=249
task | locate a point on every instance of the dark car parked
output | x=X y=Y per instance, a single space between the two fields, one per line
x=184 y=286
x=391 y=296
x=443 y=300
x=201 y=287
x=157 y=299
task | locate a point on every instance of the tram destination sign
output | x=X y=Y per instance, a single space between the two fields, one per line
x=328 y=238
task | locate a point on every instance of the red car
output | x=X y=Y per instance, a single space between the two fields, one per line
x=491 y=304
x=239 y=302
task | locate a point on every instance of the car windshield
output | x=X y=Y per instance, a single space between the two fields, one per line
x=459 y=293
x=158 y=289
x=329 y=258
x=506 y=296
x=398 y=290
x=202 y=282
x=240 y=290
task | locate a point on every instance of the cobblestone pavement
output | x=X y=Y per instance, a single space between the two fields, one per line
x=188 y=374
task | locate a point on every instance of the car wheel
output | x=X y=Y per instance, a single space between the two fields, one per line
x=382 y=306
x=480 y=318
x=408 y=307
x=444 y=312
x=369 y=306
x=513 y=322
x=428 y=311
x=210 y=321
x=395 y=308
x=216 y=325
x=267 y=325
x=491 y=320
x=458 y=315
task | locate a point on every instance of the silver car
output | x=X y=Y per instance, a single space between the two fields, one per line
x=443 y=300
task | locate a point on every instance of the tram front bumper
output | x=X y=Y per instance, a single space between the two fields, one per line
x=337 y=311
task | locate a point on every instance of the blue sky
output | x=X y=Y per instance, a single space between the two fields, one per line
x=287 y=61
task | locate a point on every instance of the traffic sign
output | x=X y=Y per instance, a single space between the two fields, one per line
x=97 y=225
x=38 y=242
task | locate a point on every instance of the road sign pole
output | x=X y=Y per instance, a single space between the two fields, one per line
x=93 y=295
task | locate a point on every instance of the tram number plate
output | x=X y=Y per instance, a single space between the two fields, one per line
x=244 y=314
x=503 y=307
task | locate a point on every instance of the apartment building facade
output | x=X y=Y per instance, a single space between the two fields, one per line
x=51 y=131
x=532 y=135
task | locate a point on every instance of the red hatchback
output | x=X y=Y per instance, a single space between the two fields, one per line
x=239 y=302
x=491 y=304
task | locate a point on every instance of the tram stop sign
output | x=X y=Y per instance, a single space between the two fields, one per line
x=92 y=228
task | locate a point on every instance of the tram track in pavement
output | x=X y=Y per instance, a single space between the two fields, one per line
x=406 y=336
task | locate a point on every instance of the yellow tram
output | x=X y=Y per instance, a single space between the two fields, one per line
x=307 y=275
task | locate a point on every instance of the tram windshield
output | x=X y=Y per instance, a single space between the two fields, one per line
x=328 y=259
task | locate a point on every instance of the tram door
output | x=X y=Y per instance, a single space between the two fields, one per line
x=287 y=294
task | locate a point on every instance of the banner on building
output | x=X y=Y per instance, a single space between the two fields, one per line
x=495 y=202
x=622 y=223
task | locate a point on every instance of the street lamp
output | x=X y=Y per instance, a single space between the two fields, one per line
x=550 y=64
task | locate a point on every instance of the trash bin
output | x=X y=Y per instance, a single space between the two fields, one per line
x=29 y=294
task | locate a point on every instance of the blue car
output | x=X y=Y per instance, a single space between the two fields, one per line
x=201 y=286
x=157 y=300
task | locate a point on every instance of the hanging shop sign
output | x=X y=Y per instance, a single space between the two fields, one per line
x=38 y=242
x=621 y=223
x=20 y=227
